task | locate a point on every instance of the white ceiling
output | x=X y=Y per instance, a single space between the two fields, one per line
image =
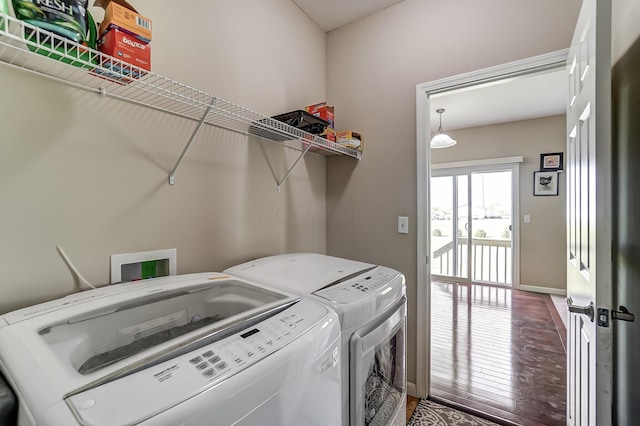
x=331 y=14
x=521 y=98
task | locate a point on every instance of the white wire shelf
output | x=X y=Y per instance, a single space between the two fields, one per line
x=37 y=51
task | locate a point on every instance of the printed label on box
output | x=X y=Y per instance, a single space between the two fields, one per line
x=123 y=47
x=119 y=16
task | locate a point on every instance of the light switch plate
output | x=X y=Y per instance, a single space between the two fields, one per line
x=403 y=225
x=527 y=218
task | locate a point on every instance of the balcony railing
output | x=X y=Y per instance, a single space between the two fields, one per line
x=491 y=260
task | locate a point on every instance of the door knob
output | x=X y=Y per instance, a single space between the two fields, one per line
x=623 y=315
x=585 y=310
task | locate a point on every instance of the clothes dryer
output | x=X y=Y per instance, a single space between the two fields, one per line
x=370 y=301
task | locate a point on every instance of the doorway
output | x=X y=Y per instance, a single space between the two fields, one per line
x=472 y=211
x=424 y=93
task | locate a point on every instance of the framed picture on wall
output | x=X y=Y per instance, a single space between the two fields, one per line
x=545 y=183
x=552 y=161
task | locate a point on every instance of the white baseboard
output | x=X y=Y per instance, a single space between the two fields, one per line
x=547 y=290
x=411 y=389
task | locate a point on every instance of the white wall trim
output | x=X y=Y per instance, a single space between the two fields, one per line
x=547 y=290
x=423 y=229
x=424 y=91
x=475 y=163
x=515 y=225
x=411 y=389
x=547 y=61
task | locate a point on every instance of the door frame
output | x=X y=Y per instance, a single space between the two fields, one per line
x=548 y=61
x=511 y=164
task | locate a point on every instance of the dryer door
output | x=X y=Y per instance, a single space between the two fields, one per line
x=378 y=384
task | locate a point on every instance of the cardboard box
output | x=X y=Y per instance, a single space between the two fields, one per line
x=329 y=134
x=350 y=139
x=322 y=111
x=313 y=108
x=120 y=14
x=122 y=46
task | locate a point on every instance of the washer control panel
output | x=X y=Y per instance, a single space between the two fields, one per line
x=369 y=282
x=239 y=351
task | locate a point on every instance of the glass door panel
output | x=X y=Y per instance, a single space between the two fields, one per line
x=491 y=247
x=378 y=383
x=442 y=226
x=449 y=223
x=471 y=224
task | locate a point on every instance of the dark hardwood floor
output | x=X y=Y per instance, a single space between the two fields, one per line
x=498 y=351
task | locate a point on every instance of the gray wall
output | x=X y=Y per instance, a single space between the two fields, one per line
x=373 y=67
x=90 y=173
x=543 y=241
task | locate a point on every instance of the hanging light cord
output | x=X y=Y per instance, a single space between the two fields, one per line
x=440 y=111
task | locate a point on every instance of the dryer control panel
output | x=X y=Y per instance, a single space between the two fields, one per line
x=371 y=281
x=171 y=382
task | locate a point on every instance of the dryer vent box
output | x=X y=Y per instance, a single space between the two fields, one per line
x=143 y=265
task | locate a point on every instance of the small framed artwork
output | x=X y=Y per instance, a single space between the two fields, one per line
x=545 y=183
x=551 y=161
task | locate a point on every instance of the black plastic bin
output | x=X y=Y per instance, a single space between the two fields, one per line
x=303 y=121
x=298 y=119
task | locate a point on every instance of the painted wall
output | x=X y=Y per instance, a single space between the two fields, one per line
x=373 y=67
x=90 y=173
x=543 y=241
x=625 y=24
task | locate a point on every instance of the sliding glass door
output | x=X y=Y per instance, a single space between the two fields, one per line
x=449 y=219
x=472 y=224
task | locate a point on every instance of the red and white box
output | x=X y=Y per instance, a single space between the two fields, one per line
x=322 y=111
x=123 y=46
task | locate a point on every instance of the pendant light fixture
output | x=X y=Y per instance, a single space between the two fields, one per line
x=442 y=140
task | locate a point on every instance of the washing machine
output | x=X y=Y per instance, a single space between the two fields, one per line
x=199 y=350
x=370 y=301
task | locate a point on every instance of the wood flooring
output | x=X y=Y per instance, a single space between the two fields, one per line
x=412 y=403
x=498 y=351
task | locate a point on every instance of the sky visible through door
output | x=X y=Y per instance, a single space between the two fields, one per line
x=489 y=257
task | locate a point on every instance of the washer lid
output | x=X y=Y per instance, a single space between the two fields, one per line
x=227 y=378
x=155 y=321
x=301 y=273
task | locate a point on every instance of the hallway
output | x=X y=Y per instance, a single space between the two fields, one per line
x=498 y=351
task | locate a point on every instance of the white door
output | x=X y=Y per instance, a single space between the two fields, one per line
x=589 y=217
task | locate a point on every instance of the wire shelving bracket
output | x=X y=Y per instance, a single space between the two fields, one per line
x=36 y=51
